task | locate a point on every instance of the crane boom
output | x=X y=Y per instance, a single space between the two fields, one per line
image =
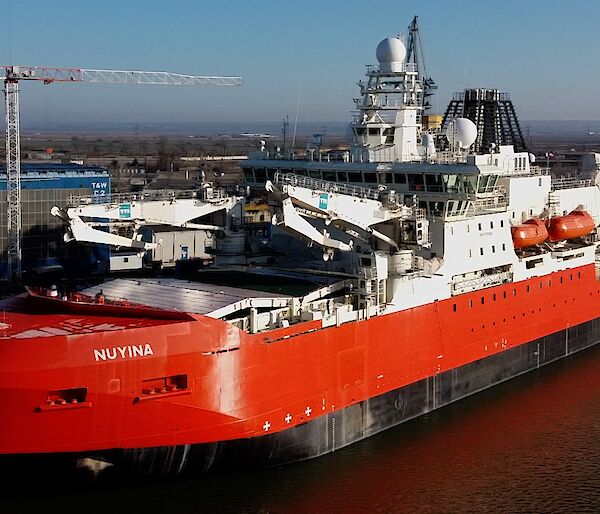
x=48 y=75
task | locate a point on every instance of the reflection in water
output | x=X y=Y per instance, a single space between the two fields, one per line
x=531 y=445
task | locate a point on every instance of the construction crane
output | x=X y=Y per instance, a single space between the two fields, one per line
x=13 y=75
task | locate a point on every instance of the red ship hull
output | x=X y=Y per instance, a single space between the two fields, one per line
x=161 y=393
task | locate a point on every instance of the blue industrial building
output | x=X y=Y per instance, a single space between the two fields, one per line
x=44 y=185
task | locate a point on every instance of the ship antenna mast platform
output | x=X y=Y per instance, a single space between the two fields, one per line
x=12 y=75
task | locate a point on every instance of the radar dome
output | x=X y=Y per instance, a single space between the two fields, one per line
x=429 y=143
x=462 y=132
x=390 y=54
x=531 y=158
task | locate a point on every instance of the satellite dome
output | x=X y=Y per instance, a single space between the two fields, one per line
x=531 y=158
x=390 y=54
x=428 y=143
x=462 y=132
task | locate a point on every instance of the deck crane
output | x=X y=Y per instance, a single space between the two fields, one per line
x=13 y=75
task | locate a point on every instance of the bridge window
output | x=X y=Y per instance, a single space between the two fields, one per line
x=260 y=174
x=399 y=178
x=415 y=182
x=342 y=176
x=433 y=182
x=385 y=178
x=451 y=183
x=354 y=176
x=329 y=175
x=371 y=178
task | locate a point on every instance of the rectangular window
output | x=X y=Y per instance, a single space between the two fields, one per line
x=493 y=249
x=491 y=224
x=454 y=307
x=479 y=225
x=415 y=182
x=370 y=178
x=503 y=247
x=481 y=251
x=482 y=300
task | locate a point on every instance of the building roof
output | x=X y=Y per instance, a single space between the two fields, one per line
x=56 y=167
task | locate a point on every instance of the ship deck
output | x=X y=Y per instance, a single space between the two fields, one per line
x=177 y=294
x=22 y=319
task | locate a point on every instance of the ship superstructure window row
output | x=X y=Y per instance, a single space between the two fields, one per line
x=412 y=182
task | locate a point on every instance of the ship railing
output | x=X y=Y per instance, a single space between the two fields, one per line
x=403 y=67
x=325 y=185
x=473 y=284
x=207 y=194
x=571 y=183
x=495 y=203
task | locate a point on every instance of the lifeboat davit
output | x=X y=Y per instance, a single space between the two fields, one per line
x=573 y=225
x=532 y=232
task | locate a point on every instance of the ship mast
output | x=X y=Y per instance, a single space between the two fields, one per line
x=414 y=55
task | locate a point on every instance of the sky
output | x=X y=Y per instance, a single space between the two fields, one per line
x=299 y=58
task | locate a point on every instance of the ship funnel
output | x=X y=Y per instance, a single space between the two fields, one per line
x=461 y=132
x=391 y=53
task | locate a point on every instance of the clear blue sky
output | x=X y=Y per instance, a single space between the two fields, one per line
x=544 y=52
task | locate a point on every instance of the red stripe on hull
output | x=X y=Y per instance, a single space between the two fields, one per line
x=239 y=385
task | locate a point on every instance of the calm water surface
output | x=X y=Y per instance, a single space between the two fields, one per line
x=531 y=445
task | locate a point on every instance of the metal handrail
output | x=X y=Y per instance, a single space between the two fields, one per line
x=325 y=185
x=571 y=183
x=207 y=194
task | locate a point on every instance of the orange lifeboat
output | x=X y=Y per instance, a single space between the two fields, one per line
x=532 y=232
x=573 y=225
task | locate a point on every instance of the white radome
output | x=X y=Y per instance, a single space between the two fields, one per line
x=429 y=144
x=462 y=132
x=391 y=53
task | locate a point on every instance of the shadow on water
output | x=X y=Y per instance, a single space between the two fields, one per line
x=530 y=445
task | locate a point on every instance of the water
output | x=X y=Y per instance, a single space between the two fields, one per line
x=530 y=445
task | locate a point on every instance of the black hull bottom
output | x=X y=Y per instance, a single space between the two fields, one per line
x=349 y=425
